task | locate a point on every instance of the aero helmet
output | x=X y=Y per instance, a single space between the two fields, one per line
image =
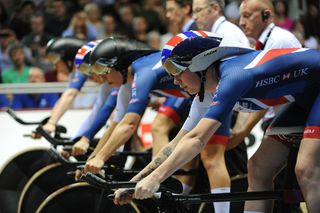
x=117 y=53
x=82 y=57
x=63 y=48
x=197 y=50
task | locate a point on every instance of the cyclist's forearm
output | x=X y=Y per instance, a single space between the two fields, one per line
x=162 y=155
x=104 y=138
x=121 y=134
x=62 y=105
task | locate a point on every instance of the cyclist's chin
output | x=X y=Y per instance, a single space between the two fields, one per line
x=191 y=91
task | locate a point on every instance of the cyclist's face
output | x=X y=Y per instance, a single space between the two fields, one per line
x=114 y=78
x=188 y=81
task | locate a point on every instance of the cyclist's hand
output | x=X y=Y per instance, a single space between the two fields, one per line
x=94 y=165
x=235 y=139
x=122 y=197
x=146 y=188
x=77 y=175
x=81 y=147
x=49 y=127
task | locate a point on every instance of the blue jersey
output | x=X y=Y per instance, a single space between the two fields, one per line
x=150 y=77
x=103 y=114
x=261 y=79
x=77 y=81
x=22 y=101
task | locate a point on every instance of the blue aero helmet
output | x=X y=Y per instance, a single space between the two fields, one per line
x=197 y=50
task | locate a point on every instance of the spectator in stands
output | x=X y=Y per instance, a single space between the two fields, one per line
x=151 y=13
x=7 y=36
x=20 y=22
x=126 y=17
x=311 y=23
x=80 y=27
x=22 y=101
x=281 y=15
x=153 y=40
x=4 y=101
x=19 y=72
x=94 y=17
x=59 y=20
x=140 y=27
x=109 y=26
x=37 y=38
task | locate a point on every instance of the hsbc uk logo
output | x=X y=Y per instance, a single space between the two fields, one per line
x=283 y=77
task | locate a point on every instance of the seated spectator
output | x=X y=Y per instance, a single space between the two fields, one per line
x=37 y=37
x=126 y=16
x=22 y=101
x=57 y=19
x=7 y=36
x=109 y=26
x=20 y=21
x=140 y=27
x=153 y=39
x=19 y=71
x=80 y=27
x=94 y=17
x=281 y=15
x=4 y=101
x=311 y=23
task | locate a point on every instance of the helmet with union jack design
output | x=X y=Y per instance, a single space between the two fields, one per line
x=81 y=60
x=197 y=50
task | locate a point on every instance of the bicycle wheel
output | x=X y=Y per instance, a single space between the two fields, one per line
x=15 y=173
x=82 y=198
x=43 y=183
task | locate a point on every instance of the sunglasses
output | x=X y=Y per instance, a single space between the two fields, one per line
x=100 y=69
x=85 y=68
x=173 y=68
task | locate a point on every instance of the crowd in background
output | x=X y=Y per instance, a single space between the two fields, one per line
x=27 y=26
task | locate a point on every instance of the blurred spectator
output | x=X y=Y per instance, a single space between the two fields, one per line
x=173 y=29
x=80 y=27
x=232 y=11
x=58 y=19
x=43 y=62
x=140 y=28
x=21 y=101
x=37 y=37
x=153 y=39
x=281 y=15
x=151 y=13
x=20 y=22
x=94 y=17
x=7 y=36
x=19 y=72
x=179 y=13
x=3 y=16
x=126 y=17
x=4 y=101
x=109 y=26
x=311 y=22
x=298 y=31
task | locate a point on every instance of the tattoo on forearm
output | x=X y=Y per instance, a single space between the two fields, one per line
x=156 y=162
x=167 y=151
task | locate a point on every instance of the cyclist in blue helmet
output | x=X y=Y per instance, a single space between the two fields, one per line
x=246 y=80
